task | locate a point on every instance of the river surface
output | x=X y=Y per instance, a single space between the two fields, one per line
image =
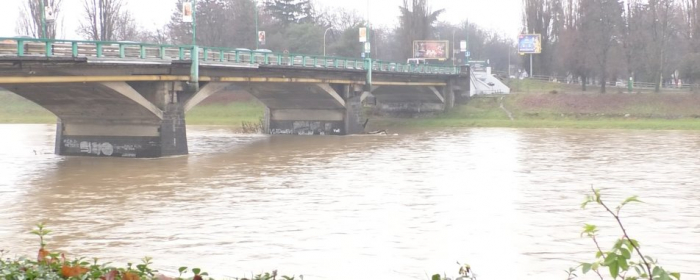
x=507 y=201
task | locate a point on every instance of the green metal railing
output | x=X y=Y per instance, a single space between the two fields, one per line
x=31 y=47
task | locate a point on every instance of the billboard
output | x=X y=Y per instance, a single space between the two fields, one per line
x=187 y=12
x=431 y=49
x=530 y=43
x=261 y=37
x=363 y=34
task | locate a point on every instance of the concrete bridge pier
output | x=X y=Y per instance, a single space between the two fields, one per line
x=404 y=101
x=113 y=119
x=310 y=109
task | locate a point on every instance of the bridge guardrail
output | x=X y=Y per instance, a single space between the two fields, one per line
x=33 y=47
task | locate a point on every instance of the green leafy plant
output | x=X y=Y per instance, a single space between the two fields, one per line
x=465 y=273
x=620 y=261
x=55 y=266
x=41 y=231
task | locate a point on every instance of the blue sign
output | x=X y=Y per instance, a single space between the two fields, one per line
x=467 y=54
x=530 y=43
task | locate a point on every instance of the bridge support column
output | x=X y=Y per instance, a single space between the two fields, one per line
x=158 y=133
x=449 y=96
x=410 y=101
x=314 y=109
x=353 y=115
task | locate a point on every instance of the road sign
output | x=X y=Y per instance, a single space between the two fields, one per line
x=467 y=54
x=368 y=47
x=463 y=46
x=48 y=14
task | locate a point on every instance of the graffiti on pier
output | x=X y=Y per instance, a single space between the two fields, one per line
x=306 y=128
x=110 y=146
x=93 y=148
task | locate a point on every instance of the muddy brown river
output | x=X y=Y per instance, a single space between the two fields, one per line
x=507 y=201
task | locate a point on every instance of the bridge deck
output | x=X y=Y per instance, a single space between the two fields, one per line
x=145 y=53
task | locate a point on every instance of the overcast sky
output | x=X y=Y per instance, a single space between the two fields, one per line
x=502 y=16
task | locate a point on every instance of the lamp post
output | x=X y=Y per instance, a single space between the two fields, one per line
x=509 y=51
x=467 y=57
x=368 y=54
x=257 y=36
x=194 y=22
x=454 y=50
x=324 y=40
x=43 y=19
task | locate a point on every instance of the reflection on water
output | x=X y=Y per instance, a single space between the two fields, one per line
x=358 y=207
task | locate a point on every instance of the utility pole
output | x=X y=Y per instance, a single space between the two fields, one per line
x=324 y=40
x=467 y=58
x=454 y=50
x=509 y=51
x=368 y=54
x=43 y=19
x=257 y=35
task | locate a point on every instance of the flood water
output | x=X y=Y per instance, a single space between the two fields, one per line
x=507 y=201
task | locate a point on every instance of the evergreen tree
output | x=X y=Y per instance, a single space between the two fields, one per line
x=287 y=12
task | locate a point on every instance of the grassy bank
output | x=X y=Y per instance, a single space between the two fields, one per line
x=677 y=111
x=16 y=109
x=232 y=114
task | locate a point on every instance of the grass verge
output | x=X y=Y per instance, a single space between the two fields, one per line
x=232 y=114
x=544 y=110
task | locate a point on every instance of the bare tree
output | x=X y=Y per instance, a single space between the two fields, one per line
x=691 y=59
x=106 y=20
x=543 y=17
x=662 y=11
x=29 y=21
x=601 y=22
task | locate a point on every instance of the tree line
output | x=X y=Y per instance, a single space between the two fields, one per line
x=296 y=26
x=655 y=41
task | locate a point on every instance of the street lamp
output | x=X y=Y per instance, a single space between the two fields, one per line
x=324 y=40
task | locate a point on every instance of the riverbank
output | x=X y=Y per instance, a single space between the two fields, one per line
x=217 y=111
x=677 y=111
x=665 y=111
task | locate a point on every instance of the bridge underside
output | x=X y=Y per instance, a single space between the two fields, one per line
x=410 y=101
x=111 y=119
x=309 y=109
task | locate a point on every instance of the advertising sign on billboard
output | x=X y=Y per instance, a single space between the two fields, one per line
x=187 y=12
x=530 y=43
x=261 y=37
x=431 y=49
x=363 y=34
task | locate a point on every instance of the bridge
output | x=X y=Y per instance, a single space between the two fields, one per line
x=128 y=99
